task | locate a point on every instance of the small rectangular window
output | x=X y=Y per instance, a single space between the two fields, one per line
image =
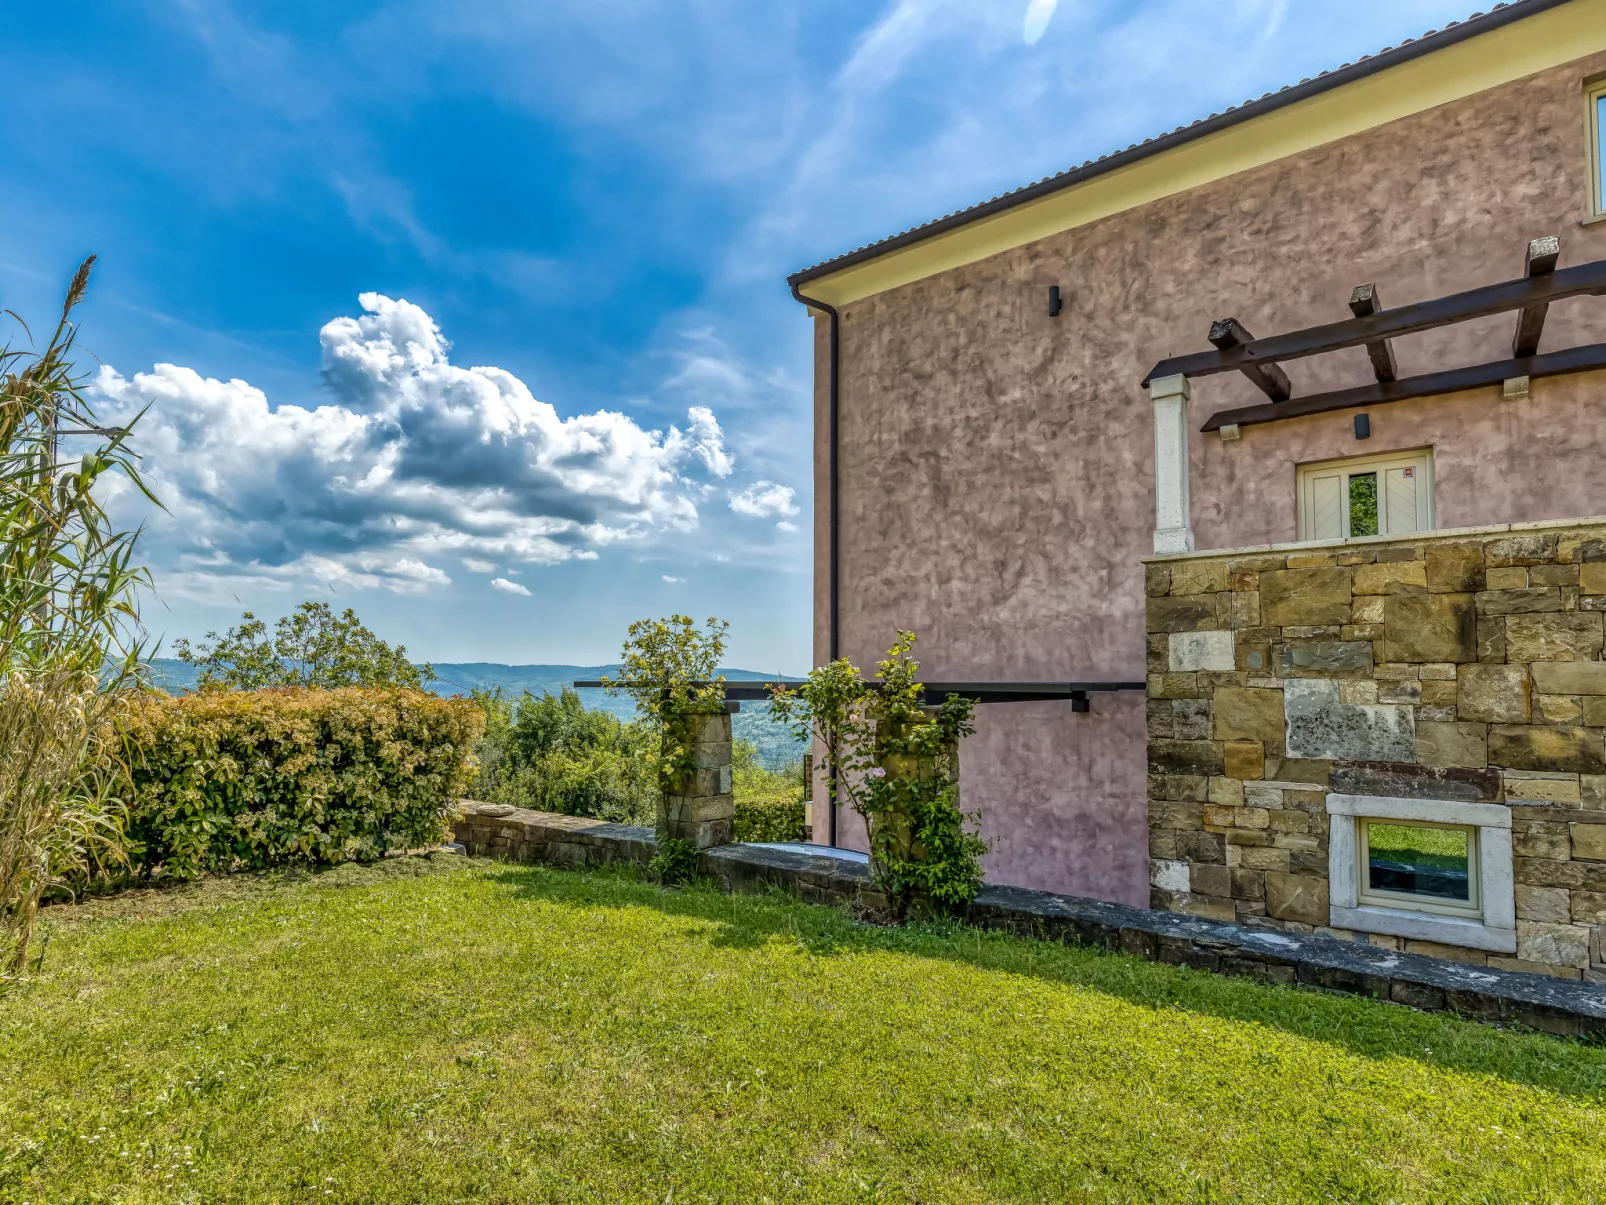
x=1419 y=865
x=1597 y=147
x=1370 y=496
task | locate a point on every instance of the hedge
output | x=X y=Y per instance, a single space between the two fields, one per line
x=235 y=780
x=770 y=816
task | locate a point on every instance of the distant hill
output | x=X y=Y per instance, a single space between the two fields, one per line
x=752 y=723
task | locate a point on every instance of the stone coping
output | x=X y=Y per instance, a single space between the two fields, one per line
x=1413 y=537
x=1559 y=1006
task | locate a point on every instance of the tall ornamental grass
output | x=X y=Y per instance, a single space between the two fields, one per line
x=69 y=629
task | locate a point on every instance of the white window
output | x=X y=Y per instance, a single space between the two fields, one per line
x=1367 y=496
x=1418 y=865
x=1596 y=95
x=1426 y=869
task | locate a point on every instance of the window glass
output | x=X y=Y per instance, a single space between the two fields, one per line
x=1407 y=859
x=1600 y=152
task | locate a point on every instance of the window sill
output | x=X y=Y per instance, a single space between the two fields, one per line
x=1594 y=221
x=1418 y=926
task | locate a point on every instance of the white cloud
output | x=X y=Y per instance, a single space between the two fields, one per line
x=416 y=459
x=1038 y=14
x=783 y=525
x=765 y=500
x=507 y=587
x=673 y=580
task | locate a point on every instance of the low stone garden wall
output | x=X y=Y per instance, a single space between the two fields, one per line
x=1539 y=1002
x=1451 y=679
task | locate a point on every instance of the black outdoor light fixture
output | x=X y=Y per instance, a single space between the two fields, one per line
x=1055 y=305
x=1363 y=426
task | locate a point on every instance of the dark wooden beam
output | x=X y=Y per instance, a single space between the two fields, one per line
x=1552 y=364
x=1363 y=303
x=1268 y=378
x=1389 y=324
x=1543 y=253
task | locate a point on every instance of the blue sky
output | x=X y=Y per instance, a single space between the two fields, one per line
x=472 y=315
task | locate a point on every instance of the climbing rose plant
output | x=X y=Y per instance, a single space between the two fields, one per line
x=895 y=762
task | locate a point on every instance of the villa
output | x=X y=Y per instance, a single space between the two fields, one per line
x=1252 y=477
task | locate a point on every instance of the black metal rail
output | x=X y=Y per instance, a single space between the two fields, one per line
x=938 y=692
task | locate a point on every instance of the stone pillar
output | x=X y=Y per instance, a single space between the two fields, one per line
x=1173 y=528
x=894 y=831
x=695 y=803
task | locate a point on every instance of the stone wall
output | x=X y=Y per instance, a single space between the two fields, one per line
x=1294 y=687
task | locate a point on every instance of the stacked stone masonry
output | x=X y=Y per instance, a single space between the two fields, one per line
x=697 y=804
x=1459 y=666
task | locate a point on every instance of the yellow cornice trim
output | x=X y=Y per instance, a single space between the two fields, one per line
x=1548 y=39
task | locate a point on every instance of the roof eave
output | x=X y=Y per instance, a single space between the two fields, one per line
x=1451 y=35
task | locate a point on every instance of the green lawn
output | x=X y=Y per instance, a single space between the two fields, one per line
x=444 y=1030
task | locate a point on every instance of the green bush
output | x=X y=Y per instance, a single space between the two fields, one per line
x=551 y=754
x=769 y=803
x=233 y=780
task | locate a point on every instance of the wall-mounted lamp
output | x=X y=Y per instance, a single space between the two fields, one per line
x=1055 y=305
x=1363 y=426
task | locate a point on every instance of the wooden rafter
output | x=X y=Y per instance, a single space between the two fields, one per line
x=1542 y=256
x=1552 y=364
x=1268 y=378
x=1374 y=328
x=1363 y=303
x=1585 y=279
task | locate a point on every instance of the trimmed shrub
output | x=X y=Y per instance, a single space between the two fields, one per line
x=249 y=779
x=769 y=803
x=770 y=817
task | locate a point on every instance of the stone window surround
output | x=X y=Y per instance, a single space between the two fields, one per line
x=1497 y=932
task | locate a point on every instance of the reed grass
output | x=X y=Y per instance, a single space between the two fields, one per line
x=70 y=640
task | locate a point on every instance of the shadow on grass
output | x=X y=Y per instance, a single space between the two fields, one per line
x=1370 y=1028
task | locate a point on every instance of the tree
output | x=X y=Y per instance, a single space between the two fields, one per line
x=667 y=665
x=310 y=647
x=70 y=638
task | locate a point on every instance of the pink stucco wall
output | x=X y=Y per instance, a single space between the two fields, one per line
x=996 y=464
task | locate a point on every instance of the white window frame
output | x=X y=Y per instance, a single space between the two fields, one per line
x=1493 y=928
x=1356 y=466
x=1381 y=898
x=1594 y=99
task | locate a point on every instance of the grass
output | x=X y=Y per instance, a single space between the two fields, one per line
x=444 y=1030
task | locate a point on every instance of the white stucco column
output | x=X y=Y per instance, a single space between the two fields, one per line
x=1173 y=529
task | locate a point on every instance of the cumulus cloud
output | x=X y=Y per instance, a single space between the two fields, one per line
x=765 y=500
x=416 y=459
x=507 y=587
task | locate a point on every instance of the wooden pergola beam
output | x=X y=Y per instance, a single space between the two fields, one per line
x=1363 y=303
x=1268 y=378
x=1585 y=279
x=1553 y=364
x=1543 y=254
